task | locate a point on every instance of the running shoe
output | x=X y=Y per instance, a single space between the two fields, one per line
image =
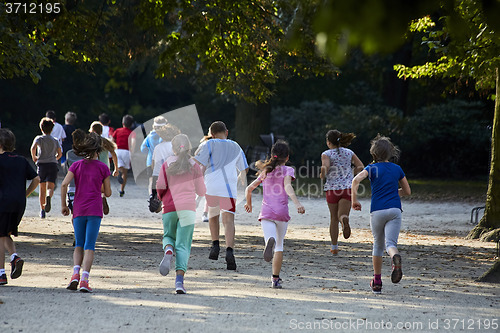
x=84 y=287
x=268 y=250
x=42 y=214
x=346 y=230
x=276 y=283
x=376 y=288
x=122 y=193
x=205 y=217
x=334 y=251
x=179 y=288
x=16 y=266
x=230 y=261
x=73 y=285
x=397 y=273
x=105 y=206
x=214 y=252
x=165 y=263
x=47 y=204
x=154 y=205
x=3 y=279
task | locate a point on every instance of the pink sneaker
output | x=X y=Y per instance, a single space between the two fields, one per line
x=73 y=285
x=84 y=287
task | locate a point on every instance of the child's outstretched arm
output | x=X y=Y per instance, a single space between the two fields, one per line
x=248 y=194
x=291 y=193
x=33 y=185
x=405 y=187
x=64 y=190
x=354 y=189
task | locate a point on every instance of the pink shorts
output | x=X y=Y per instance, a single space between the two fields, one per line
x=334 y=196
x=228 y=204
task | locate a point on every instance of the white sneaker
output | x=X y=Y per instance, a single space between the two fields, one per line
x=165 y=264
x=268 y=250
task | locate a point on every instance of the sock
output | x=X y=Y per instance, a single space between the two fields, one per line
x=229 y=249
x=378 y=277
x=179 y=278
x=335 y=247
x=154 y=193
x=85 y=276
x=2 y=271
x=169 y=250
x=215 y=243
x=13 y=256
x=275 y=277
x=76 y=269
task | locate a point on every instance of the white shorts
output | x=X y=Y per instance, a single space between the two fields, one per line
x=275 y=229
x=123 y=156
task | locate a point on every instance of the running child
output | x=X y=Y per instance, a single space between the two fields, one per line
x=276 y=180
x=45 y=152
x=14 y=171
x=339 y=165
x=388 y=184
x=222 y=159
x=90 y=175
x=120 y=137
x=180 y=180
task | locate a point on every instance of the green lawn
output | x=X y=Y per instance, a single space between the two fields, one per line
x=422 y=189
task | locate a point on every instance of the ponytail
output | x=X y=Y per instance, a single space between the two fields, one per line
x=181 y=147
x=279 y=154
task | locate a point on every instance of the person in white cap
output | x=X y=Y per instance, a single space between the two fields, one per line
x=148 y=145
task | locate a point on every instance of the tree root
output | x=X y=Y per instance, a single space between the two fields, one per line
x=492 y=275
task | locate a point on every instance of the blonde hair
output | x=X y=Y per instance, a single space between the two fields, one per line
x=182 y=148
x=382 y=149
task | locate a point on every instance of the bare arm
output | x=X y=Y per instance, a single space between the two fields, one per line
x=405 y=187
x=33 y=152
x=59 y=153
x=64 y=190
x=291 y=193
x=248 y=194
x=243 y=176
x=354 y=189
x=107 y=187
x=358 y=165
x=325 y=165
x=115 y=162
x=32 y=186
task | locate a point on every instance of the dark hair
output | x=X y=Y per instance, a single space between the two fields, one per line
x=340 y=139
x=7 y=139
x=279 y=154
x=217 y=127
x=46 y=125
x=181 y=147
x=96 y=127
x=104 y=119
x=167 y=132
x=51 y=114
x=86 y=145
x=382 y=149
x=128 y=121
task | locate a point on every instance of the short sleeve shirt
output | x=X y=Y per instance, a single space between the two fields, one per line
x=384 y=179
x=58 y=133
x=160 y=154
x=120 y=135
x=340 y=174
x=223 y=159
x=47 y=148
x=275 y=198
x=14 y=171
x=89 y=176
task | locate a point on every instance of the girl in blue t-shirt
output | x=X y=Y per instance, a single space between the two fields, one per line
x=388 y=184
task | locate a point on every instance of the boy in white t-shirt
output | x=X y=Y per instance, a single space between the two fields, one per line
x=222 y=160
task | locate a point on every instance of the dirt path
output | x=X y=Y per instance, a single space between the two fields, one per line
x=321 y=292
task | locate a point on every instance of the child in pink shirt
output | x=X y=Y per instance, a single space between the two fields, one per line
x=276 y=179
x=90 y=176
x=179 y=181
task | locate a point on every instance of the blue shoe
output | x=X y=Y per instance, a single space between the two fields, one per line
x=42 y=214
x=277 y=283
x=179 y=288
x=122 y=193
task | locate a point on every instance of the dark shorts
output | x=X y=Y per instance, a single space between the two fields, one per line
x=149 y=171
x=9 y=221
x=334 y=196
x=228 y=204
x=47 y=172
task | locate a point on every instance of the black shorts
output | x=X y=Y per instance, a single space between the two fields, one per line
x=47 y=172
x=9 y=221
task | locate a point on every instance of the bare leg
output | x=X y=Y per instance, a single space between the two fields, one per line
x=88 y=258
x=228 y=222
x=277 y=262
x=392 y=251
x=377 y=264
x=42 y=194
x=50 y=189
x=124 y=172
x=78 y=256
x=344 y=208
x=213 y=222
x=334 y=223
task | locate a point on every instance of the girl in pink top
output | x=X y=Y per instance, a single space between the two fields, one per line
x=179 y=181
x=90 y=176
x=276 y=179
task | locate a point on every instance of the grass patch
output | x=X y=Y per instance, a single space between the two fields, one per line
x=422 y=189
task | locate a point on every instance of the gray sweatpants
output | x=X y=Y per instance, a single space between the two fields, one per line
x=385 y=225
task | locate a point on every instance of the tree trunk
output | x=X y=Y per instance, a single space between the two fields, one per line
x=488 y=229
x=251 y=120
